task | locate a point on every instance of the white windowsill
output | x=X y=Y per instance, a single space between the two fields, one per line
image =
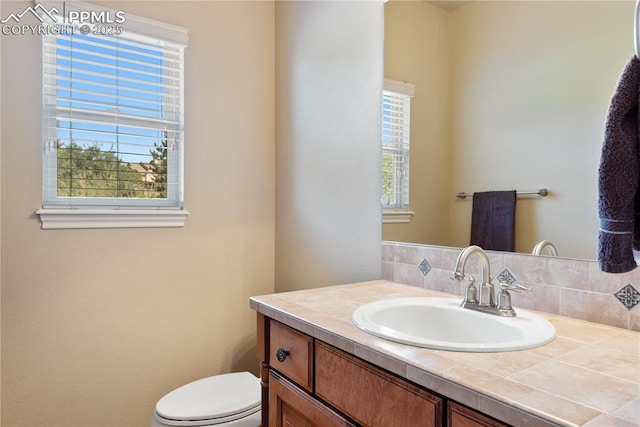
x=396 y=216
x=57 y=218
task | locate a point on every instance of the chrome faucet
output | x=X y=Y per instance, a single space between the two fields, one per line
x=483 y=299
x=485 y=296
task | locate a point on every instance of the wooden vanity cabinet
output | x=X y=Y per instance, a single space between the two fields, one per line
x=308 y=383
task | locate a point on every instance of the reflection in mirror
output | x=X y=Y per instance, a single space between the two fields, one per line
x=508 y=95
x=545 y=247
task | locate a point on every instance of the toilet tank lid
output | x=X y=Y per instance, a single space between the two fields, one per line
x=213 y=397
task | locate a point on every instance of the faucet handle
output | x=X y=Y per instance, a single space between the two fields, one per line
x=515 y=287
x=504 y=297
x=471 y=292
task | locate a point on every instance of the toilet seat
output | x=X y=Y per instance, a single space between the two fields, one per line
x=210 y=401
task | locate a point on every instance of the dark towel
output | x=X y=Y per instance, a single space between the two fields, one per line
x=618 y=199
x=493 y=219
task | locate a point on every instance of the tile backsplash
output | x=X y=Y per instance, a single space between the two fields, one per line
x=568 y=287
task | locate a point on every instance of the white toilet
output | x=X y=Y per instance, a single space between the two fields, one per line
x=227 y=400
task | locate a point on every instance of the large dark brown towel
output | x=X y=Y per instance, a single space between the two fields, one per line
x=618 y=199
x=493 y=219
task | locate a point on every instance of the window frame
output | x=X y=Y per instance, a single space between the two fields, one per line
x=396 y=213
x=117 y=212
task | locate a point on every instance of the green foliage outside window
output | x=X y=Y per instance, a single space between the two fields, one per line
x=91 y=172
x=387 y=178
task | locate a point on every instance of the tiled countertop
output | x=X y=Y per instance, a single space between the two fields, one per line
x=590 y=374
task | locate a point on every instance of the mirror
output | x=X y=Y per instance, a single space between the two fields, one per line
x=508 y=95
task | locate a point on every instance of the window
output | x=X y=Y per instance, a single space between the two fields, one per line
x=396 y=112
x=113 y=124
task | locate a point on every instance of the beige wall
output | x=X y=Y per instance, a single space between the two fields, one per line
x=97 y=325
x=418 y=50
x=328 y=86
x=531 y=87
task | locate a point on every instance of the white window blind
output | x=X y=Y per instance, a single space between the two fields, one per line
x=396 y=112
x=113 y=117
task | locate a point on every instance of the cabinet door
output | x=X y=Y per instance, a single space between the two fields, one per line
x=290 y=406
x=371 y=396
x=461 y=416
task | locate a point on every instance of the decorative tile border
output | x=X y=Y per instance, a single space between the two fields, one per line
x=568 y=287
x=425 y=267
x=505 y=277
x=628 y=296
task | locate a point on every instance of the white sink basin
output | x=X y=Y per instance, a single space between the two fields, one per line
x=440 y=323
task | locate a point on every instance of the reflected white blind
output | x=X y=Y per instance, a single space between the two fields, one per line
x=113 y=120
x=396 y=127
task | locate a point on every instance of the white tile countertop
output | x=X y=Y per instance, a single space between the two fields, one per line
x=588 y=376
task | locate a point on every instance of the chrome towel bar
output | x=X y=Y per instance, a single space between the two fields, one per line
x=541 y=192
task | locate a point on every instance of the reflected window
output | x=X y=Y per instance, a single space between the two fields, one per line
x=396 y=138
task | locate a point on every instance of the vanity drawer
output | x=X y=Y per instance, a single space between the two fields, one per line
x=461 y=416
x=291 y=353
x=371 y=396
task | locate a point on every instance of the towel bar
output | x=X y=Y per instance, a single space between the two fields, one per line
x=541 y=192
